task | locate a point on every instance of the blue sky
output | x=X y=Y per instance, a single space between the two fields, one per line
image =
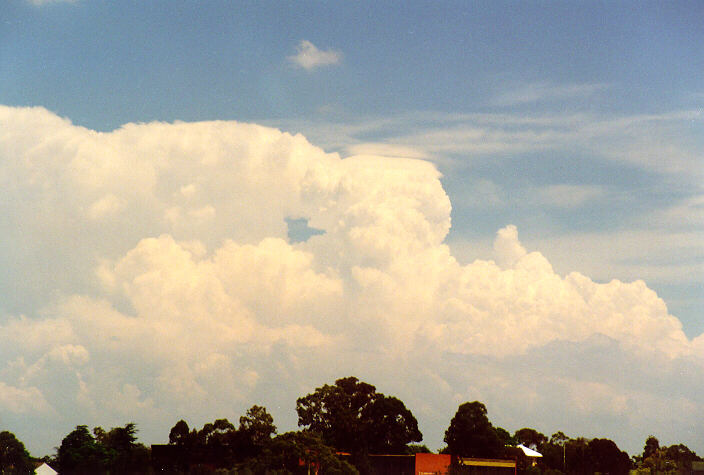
x=579 y=123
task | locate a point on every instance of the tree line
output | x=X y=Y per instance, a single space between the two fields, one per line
x=341 y=426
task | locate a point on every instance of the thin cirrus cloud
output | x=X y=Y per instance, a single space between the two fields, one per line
x=666 y=143
x=309 y=57
x=569 y=196
x=545 y=91
x=39 y=3
x=179 y=286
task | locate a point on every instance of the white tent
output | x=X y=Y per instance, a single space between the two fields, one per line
x=529 y=452
x=44 y=469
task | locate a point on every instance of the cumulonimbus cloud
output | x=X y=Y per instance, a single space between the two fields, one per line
x=160 y=282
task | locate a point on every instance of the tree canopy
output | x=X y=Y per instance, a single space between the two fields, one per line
x=530 y=438
x=470 y=433
x=14 y=458
x=115 y=451
x=351 y=416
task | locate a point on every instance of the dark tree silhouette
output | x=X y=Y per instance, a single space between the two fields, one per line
x=352 y=417
x=530 y=438
x=14 y=458
x=180 y=434
x=606 y=457
x=470 y=433
x=258 y=425
x=80 y=453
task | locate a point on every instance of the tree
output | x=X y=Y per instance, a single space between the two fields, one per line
x=681 y=456
x=651 y=447
x=530 y=438
x=14 y=458
x=352 y=417
x=559 y=438
x=577 y=453
x=115 y=451
x=470 y=433
x=505 y=437
x=180 y=434
x=606 y=457
x=417 y=449
x=554 y=452
x=258 y=425
x=299 y=452
x=79 y=453
x=215 y=433
x=123 y=453
x=391 y=426
x=218 y=444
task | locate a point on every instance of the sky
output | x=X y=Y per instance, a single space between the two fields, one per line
x=211 y=205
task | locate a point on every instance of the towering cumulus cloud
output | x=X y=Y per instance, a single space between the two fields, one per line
x=148 y=275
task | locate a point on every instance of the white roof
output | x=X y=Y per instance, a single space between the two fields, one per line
x=44 y=469
x=529 y=452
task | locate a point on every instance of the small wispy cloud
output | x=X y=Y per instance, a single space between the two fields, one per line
x=309 y=57
x=39 y=3
x=569 y=196
x=385 y=150
x=542 y=91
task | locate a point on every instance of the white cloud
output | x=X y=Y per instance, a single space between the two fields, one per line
x=385 y=150
x=542 y=91
x=106 y=205
x=21 y=400
x=40 y=3
x=569 y=196
x=667 y=144
x=309 y=57
x=507 y=249
x=187 y=299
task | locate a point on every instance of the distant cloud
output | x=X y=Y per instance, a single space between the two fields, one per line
x=569 y=196
x=309 y=57
x=39 y=3
x=385 y=150
x=666 y=143
x=545 y=91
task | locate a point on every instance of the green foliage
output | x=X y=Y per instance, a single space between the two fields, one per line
x=115 y=451
x=352 y=417
x=676 y=458
x=417 y=449
x=564 y=455
x=258 y=425
x=219 y=444
x=505 y=437
x=215 y=433
x=470 y=433
x=652 y=445
x=14 y=458
x=530 y=438
x=682 y=456
x=606 y=457
x=390 y=426
x=349 y=416
x=558 y=438
x=299 y=452
x=180 y=434
x=79 y=453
